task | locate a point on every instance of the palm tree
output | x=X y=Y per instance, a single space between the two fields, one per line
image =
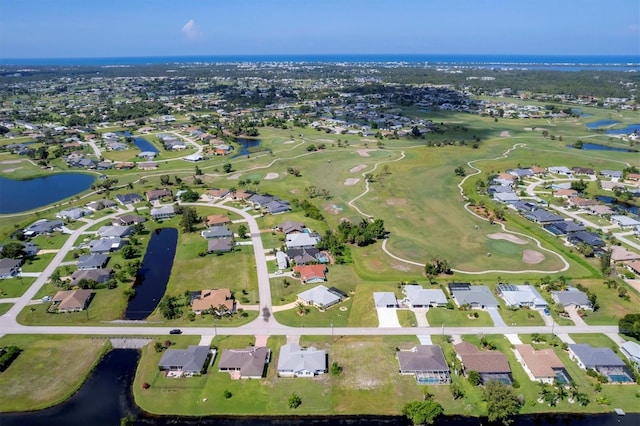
x=301 y=309
x=256 y=183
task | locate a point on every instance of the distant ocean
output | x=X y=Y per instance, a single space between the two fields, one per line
x=537 y=62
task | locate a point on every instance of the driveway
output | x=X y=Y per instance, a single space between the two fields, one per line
x=495 y=316
x=387 y=317
x=421 y=316
x=573 y=314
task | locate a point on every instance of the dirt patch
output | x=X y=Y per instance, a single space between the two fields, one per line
x=509 y=237
x=325 y=140
x=235 y=176
x=531 y=257
x=364 y=152
x=288 y=142
x=399 y=266
x=505 y=134
x=11 y=170
x=271 y=176
x=10 y=161
x=332 y=208
x=358 y=168
x=396 y=201
x=351 y=181
x=368 y=140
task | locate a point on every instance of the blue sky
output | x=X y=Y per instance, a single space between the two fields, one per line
x=106 y=28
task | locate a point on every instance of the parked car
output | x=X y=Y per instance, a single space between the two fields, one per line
x=175 y=331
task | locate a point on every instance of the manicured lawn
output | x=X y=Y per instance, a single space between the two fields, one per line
x=48 y=371
x=596 y=340
x=612 y=307
x=4 y=307
x=38 y=262
x=456 y=318
x=316 y=318
x=14 y=287
x=54 y=241
x=521 y=317
x=106 y=305
x=407 y=318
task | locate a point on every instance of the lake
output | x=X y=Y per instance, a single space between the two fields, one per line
x=246 y=146
x=601 y=123
x=153 y=275
x=596 y=147
x=21 y=195
x=631 y=128
x=618 y=204
x=106 y=397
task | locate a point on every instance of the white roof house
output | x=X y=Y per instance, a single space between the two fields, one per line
x=518 y=296
x=624 y=221
x=560 y=170
x=301 y=240
x=297 y=362
x=632 y=351
x=282 y=260
x=319 y=296
x=418 y=297
x=385 y=299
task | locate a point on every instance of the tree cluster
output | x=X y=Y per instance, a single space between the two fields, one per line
x=363 y=233
x=629 y=325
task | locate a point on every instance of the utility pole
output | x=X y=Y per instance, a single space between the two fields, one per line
x=332 y=331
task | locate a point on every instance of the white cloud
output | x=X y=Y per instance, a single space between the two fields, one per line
x=191 y=30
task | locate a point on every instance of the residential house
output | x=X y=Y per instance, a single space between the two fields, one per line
x=99 y=276
x=474 y=296
x=100 y=205
x=30 y=249
x=634 y=267
x=92 y=261
x=603 y=360
x=217 y=232
x=565 y=193
x=301 y=240
x=249 y=363
x=215 y=194
x=9 y=268
x=560 y=170
x=105 y=246
x=418 y=297
x=148 y=165
x=73 y=213
x=582 y=203
x=114 y=231
x=304 y=256
x=218 y=220
x=220 y=245
x=621 y=254
x=163 y=212
x=71 y=300
x=521 y=173
x=319 y=297
x=426 y=363
x=625 y=221
x=506 y=197
x=242 y=195
x=490 y=364
x=632 y=351
x=128 y=220
x=43 y=226
x=310 y=274
x=611 y=185
x=158 y=194
x=563 y=228
x=585 y=237
x=518 y=296
x=612 y=174
x=543 y=216
x=220 y=300
x=600 y=210
x=126 y=199
x=583 y=171
x=571 y=297
x=294 y=361
x=541 y=365
x=190 y=362
x=277 y=206
x=290 y=227
x=385 y=299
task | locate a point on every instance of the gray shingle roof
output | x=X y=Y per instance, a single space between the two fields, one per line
x=294 y=358
x=596 y=357
x=422 y=358
x=190 y=360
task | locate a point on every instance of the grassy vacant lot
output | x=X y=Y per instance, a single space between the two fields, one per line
x=48 y=371
x=612 y=307
x=14 y=287
x=457 y=318
x=38 y=262
x=359 y=389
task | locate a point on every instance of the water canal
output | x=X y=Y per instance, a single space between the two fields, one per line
x=154 y=273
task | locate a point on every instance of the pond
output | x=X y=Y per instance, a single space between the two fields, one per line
x=246 y=146
x=596 y=147
x=631 y=128
x=106 y=397
x=153 y=275
x=21 y=195
x=601 y=123
x=144 y=145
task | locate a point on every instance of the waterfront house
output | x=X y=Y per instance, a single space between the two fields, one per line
x=220 y=245
x=490 y=364
x=105 y=246
x=295 y=361
x=92 y=261
x=603 y=360
x=163 y=212
x=189 y=362
x=99 y=276
x=217 y=232
x=426 y=363
x=249 y=363
x=542 y=365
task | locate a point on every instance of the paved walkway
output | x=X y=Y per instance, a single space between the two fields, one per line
x=30 y=274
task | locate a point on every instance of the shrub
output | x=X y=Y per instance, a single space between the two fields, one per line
x=227 y=394
x=146 y=385
x=294 y=401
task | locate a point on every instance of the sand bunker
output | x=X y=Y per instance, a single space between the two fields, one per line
x=356 y=169
x=532 y=257
x=11 y=170
x=332 y=208
x=10 y=161
x=271 y=176
x=364 y=152
x=509 y=237
x=351 y=181
x=235 y=176
x=288 y=142
x=505 y=134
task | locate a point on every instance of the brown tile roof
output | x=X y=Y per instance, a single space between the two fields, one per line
x=538 y=170
x=72 y=299
x=250 y=362
x=217 y=219
x=474 y=359
x=540 y=362
x=242 y=195
x=218 y=193
x=215 y=298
